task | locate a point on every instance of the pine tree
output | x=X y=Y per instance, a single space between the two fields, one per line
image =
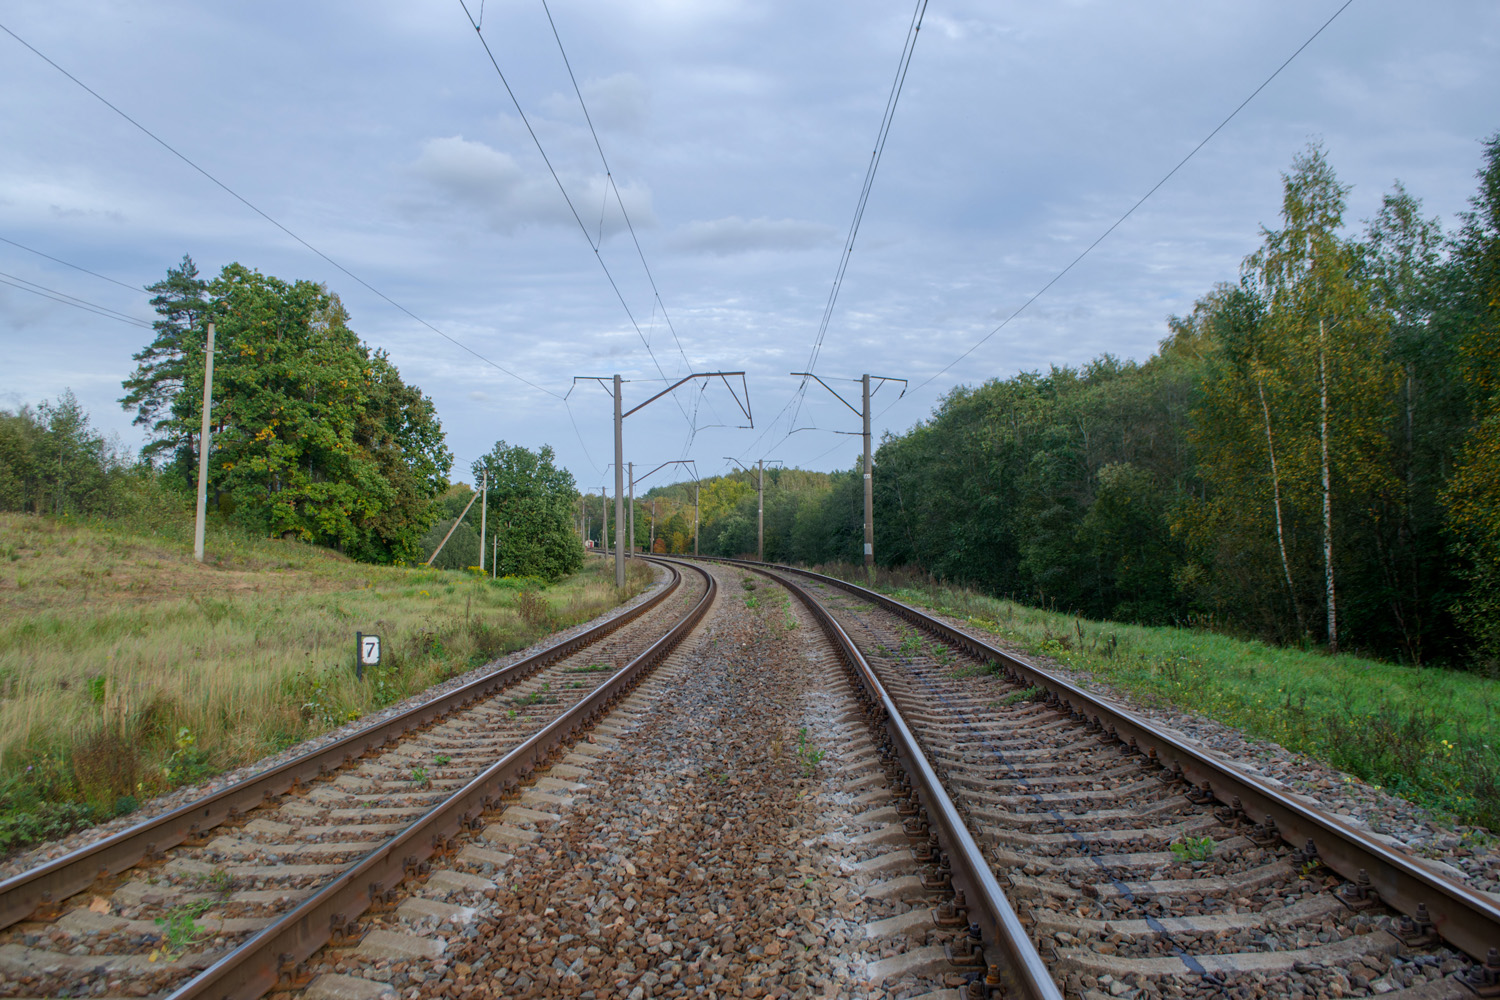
x=161 y=367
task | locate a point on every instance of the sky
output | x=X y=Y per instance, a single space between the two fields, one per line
x=737 y=136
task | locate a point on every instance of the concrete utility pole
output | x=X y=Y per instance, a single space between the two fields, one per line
x=869 y=484
x=604 y=509
x=619 y=487
x=695 y=516
x=620 y=441
x=208 y=395
x=630 y=467
x=760 y=523
x=652 y=546
x=484 y=507
x=864 y=414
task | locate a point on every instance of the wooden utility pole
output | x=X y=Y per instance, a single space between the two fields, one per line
x=455 y=528
x=208 y=395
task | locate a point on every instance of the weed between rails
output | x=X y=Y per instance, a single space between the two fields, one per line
x=156 y=671
x=1429 y=735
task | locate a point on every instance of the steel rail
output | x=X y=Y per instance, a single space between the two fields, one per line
x=276 y=955
x=1465 y=918
x=49 y=884
x=1020 y=963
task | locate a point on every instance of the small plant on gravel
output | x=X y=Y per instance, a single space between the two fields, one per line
x=592 y=668
x=748 y=582
x=419 y=775
x=984 y=669
x=218 y=881
x=1025 y=694
x=752 y=602
x=441 y=759
x=808 y=754
x=911 y=642
x=1194 y=848
x=180 y=930
x=188 y=762
x=791 y=620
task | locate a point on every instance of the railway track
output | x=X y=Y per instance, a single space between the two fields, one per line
x=1103 y=858
x=890 y=808
x=736 y=830
x=228 y=896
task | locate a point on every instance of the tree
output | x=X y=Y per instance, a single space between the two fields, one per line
x=531 y=508
x=1336 y=348
x=160 y=375
x=1471 y=499
x=314 y=436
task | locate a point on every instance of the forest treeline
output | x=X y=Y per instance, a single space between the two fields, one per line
x=1312 y=456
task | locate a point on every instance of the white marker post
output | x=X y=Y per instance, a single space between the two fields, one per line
x=366 y=653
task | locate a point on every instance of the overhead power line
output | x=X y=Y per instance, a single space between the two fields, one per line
x=1141 y=201
x=893 y=98
x=69 y=300
x=909 y=47
x=609 y=178
x=246 y=202
x=59 y=260
x=593 y=244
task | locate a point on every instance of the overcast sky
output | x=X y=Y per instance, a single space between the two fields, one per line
x=738 y=135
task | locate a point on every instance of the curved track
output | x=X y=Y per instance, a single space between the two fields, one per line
x=1130 y=862
x=307 y=846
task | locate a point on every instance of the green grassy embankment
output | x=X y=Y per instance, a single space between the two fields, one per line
x=1429 y=735
x=127 y=668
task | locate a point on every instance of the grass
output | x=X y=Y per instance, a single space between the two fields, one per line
x=1427 y=734
x=126 y=668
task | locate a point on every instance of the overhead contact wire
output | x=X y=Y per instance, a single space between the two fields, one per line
x=246 y=202
x=583 y=227
x=1141 y=201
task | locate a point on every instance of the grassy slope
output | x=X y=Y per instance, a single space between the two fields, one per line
x=126 y=667
x=1432 y=736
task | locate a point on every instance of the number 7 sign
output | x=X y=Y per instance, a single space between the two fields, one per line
x=366 y=653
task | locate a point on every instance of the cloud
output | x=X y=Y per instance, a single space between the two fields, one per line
x=619 y=103
x=473 y=179
x=734 y=235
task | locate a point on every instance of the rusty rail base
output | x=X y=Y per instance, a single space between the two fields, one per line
x=1465 y=918
x=1023 y=968
x=276 y=955
x=21 y=895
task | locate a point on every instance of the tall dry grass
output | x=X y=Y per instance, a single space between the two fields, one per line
x=126 y=667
